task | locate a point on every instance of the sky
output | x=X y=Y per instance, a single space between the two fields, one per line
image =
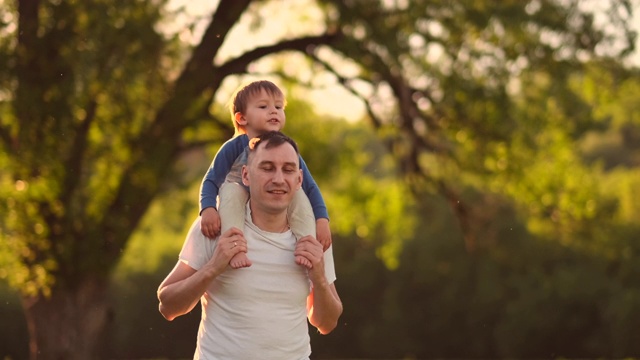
x=635 y=59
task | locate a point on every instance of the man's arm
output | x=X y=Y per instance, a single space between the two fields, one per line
x=184 y=286
x=182 y=289
x=324 y=307
x=323 y=303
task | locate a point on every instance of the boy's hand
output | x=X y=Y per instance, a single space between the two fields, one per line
x=210 y=222
x=323 y=233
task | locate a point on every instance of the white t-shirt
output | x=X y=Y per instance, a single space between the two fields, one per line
x=257 y=312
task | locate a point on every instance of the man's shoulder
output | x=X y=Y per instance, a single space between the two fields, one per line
x=197 y=248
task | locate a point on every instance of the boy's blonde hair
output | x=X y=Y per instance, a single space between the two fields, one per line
x=242 y=96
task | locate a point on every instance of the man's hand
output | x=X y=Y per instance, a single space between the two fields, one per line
x=229 y=244
x=210 y=223
x=310 y=249
x=323 y=233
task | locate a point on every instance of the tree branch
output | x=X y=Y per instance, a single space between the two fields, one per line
x=461 y=213
x=179 y=111
x=74 y=162
x=409 y=111
x=227 y=14
x=304 y=44
x=346 y=83
x=28 y=22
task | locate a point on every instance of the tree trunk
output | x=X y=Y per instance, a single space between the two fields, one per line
x=70 y=323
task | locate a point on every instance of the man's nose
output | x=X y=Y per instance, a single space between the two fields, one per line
x=278 y=176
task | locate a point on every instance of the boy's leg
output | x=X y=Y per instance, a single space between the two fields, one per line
x=233 y=202
x=301 y=220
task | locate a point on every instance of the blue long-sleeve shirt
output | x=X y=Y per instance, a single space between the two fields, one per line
x=222 y=164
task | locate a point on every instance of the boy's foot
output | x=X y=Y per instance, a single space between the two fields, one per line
x=303 y=261
x=240 y=260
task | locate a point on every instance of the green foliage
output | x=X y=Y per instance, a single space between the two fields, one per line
x=150 y=255
x=520 y=110
x=359 y=179
x=160 y=234
x=67 y=133
x=477 y=95
x=518 y=296
x=15 y=253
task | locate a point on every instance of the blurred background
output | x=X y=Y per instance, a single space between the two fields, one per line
x=480 y=161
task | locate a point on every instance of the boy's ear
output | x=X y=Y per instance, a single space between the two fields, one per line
x=240 y=119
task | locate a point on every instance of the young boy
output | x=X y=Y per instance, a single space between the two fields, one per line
x=256 y=109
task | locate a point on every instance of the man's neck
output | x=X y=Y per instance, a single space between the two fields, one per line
x=275 y=223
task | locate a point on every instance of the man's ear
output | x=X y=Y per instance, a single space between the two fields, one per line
x=240 y=120
x=245 y=175
x=300 y=178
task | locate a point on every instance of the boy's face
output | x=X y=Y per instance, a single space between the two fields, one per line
x=264 y=113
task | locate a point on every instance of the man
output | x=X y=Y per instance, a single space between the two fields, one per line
x=261 y=311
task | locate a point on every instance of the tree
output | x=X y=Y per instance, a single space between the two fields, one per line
x=91 y=127
x=94 y=117
x=457 y=71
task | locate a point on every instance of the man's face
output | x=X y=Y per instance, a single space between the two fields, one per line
x=273 y=176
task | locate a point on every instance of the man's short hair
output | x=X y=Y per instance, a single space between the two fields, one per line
x=271 y=139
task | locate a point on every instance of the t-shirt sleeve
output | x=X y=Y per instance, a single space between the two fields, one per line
x=329 y=265
x=218 y=170
x=197 y=249
x=313 y=192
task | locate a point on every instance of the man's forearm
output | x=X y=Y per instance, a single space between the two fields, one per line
x=179 y=297
x=325 y=307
